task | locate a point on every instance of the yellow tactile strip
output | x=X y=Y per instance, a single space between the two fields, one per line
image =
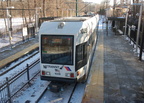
x=94 y=92
x=17 y=55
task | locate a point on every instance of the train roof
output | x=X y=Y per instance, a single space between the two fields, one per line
x=71 y=19
x=67 y=25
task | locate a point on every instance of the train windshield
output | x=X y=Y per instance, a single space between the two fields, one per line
x=57 y=49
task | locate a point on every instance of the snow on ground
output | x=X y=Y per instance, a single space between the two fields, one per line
x=17 y=37
x=59 y=97
x=17 y=69
x=17 y=24
x=33 y=92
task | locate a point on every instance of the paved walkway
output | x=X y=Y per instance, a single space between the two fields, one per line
x=117 y=76
x=123 y=72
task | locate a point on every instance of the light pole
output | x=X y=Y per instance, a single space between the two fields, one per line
x=8 y=23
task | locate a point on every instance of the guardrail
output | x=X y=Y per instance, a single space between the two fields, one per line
x=132 y=34
x=12 y=86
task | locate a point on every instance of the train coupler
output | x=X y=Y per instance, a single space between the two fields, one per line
x=56 y=86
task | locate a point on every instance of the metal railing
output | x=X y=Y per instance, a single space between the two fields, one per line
x=132 y=34
x=12 y=86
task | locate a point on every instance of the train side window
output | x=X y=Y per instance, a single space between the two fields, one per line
x=85 y=53
x=81 y=55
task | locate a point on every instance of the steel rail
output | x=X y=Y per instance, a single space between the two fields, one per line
x=41 y=95
x=72 y=92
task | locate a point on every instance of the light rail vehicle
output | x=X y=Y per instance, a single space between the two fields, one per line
x=66 y=46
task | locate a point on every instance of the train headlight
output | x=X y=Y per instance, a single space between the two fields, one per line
x=69 y=75
x=47 y=73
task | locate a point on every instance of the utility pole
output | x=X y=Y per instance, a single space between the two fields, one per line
x=76 y=7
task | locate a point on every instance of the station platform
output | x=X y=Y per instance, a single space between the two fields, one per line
x=116 y=75
x=9 y=56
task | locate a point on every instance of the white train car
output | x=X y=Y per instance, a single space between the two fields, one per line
x=66 y=46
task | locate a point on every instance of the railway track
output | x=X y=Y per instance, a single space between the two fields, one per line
x=64 y=96
x=6 y=69
x=18 y=78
